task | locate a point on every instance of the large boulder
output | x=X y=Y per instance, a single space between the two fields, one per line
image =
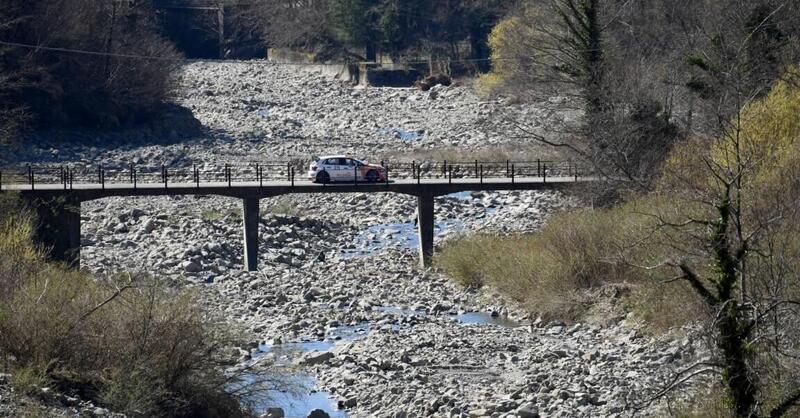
x=318 y=413
x=428 y=82
x=273 y=413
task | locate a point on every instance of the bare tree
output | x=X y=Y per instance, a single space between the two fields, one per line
x=733 y=225
x=292 y=23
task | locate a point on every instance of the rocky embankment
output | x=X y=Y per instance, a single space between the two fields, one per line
x=339 y=298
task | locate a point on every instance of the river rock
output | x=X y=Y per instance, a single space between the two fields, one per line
x=273 y=412
x=191 y=267
x=318 y=413
x=528 y=411
x=315 y=357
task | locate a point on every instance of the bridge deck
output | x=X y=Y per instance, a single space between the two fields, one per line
x=254 y=189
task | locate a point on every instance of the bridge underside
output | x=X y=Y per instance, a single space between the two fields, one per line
x=59 y=209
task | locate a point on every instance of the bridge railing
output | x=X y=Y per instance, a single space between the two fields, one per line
x=68 y=175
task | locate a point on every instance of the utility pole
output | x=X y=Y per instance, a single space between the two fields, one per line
x=110 y=39
x=221 y=28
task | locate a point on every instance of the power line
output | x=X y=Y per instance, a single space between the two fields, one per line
x=175 y=59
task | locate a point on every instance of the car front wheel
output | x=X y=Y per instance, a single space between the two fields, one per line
x=372 y=176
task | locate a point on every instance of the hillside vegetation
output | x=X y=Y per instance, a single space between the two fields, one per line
x=39 y=87
x=448 y=30
x=715 y=241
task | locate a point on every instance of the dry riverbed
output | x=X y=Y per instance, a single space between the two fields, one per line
x=339 y=298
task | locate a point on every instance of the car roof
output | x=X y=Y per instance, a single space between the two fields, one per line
x=325 y=157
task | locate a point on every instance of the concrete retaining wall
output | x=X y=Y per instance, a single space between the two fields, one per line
x=365 y=74
x=307 y=62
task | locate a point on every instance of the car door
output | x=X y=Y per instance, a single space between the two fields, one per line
x=346 y=169
x=329 y=165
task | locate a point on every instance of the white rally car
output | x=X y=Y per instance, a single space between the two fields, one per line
x=342 y=168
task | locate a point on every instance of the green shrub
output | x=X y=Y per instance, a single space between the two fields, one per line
x=282 y=206
x=30 y=380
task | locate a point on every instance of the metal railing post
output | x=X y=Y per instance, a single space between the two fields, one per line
x=130 y=175
x=481 y=173
x=71 y=177
x=292 y=176
x=30 y=176
x=419 y=174
x=289 y=171
x=476 y=168
x=544 y=173
x=450 y=175
x=228 y=174
x=135 y=177
x=512 y=173
x=413 y=169
x=102 y=178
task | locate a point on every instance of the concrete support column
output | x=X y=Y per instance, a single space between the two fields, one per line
x=425 y=225
x=59 y=228
x=250 y=221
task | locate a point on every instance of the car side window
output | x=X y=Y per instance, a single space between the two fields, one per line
x=329 y=161
x=343 y=161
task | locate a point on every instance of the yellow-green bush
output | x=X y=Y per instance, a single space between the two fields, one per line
x=548 y=272
x=509 y=42
x=132 y=344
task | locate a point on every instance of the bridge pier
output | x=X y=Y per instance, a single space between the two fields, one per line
x=250 y=223
x=59 y=227
x=425 y=223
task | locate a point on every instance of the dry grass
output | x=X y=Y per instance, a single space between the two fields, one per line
x=130 y=343
x=554 y=272
x=282 y=205
x=496 y=154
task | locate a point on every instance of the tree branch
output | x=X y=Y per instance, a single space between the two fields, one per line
x=697 y=284
x=787 y=404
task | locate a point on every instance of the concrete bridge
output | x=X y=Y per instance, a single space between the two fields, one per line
x=57 y=192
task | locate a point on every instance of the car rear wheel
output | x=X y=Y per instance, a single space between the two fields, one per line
x=323 y=177
x=372 y=176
